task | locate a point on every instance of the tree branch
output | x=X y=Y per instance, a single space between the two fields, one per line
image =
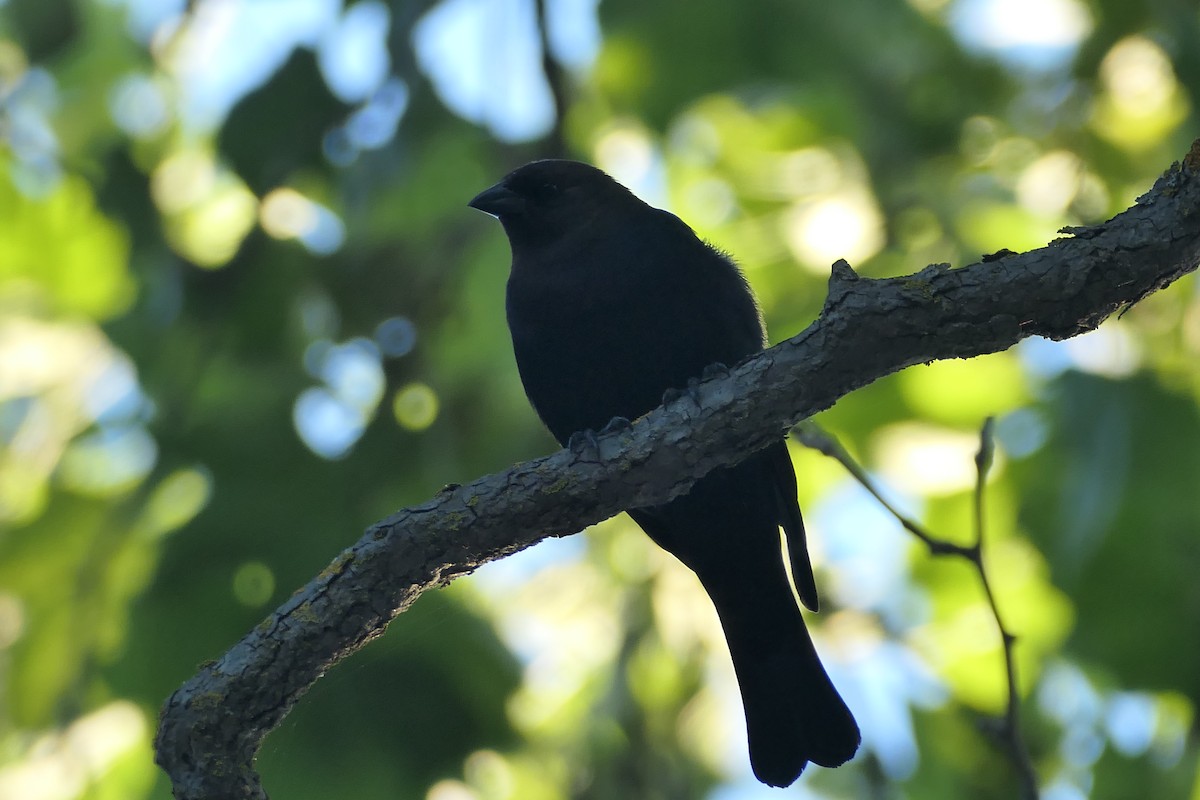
x=212 y=726
x=1010 y=728
x=813 y=436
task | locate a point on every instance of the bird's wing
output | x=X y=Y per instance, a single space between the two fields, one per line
x=784 y=476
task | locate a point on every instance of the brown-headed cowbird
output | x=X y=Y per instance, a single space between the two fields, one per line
x=611 y=303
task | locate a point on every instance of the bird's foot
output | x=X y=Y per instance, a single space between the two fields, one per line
x=584 y=442
x=587 y=442
x=616 y=425
x=691 y=391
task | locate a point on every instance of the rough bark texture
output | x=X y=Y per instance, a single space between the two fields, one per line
x=212 y=726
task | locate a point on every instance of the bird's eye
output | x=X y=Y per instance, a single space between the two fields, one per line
x=546 y=191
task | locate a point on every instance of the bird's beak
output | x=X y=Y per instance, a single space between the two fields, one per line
x=498 y=201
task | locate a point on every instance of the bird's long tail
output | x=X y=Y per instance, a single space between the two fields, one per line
x=793 y=713
x=727 y=531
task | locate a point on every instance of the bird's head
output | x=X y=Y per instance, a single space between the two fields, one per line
x=544 y=200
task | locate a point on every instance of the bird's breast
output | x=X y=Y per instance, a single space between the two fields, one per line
x=584 y=360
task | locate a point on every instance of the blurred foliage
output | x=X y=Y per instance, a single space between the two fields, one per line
x=244 y=312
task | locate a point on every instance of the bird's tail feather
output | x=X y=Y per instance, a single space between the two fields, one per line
x=793 y=712
x=779 y=467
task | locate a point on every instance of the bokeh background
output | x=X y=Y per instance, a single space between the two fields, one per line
x=245 y=312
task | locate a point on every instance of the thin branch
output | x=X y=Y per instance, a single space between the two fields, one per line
x=1011 y=728
x=212 y=726
x=813 y=436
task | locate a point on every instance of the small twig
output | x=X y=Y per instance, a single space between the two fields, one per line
x=813 y=436
x=1012 y=718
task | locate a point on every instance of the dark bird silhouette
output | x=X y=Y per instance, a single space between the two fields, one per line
x=611 y=303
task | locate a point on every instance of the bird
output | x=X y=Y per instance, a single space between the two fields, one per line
x=611 y=304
